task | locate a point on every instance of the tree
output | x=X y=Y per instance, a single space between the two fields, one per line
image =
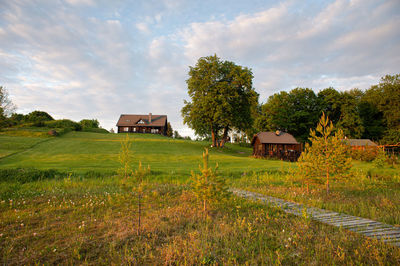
x=125 y=157
x=222 y=98
x=176 y=135
x=350 y=121
x=327 y=156
x=208 y=186
x=386 y=97
x=330 y=101
x=170 y=131
x=6 y=106
x=294 y=112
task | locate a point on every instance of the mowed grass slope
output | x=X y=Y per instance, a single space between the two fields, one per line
x=83 y=151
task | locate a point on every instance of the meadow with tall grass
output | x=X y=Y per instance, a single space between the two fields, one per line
x=63 y=201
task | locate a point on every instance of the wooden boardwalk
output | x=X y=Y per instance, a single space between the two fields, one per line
x=369 y=228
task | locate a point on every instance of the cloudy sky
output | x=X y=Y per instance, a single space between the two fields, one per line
x=98 y=59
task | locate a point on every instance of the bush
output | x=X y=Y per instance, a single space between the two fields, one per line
x=27 y=175
x=367 y=154
x=38 y=116
x=89 y=123
x=64 y=123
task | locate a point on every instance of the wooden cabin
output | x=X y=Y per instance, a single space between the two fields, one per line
x=152 y=124
x=361 y=144
x=277 y=144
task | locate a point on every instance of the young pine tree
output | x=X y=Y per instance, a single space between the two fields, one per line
x=208 y=186
x=139 y=174
x=327 y=155
x=124 y=157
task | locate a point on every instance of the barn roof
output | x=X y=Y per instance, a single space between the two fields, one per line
x=360 y=142
x=132 y=120
x=278 y=137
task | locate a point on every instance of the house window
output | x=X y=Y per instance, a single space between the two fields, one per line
x=134 y=129
x=154 y=130
x=140 y=122
x=126 y=129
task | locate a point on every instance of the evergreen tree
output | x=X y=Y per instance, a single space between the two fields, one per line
x=327 y=156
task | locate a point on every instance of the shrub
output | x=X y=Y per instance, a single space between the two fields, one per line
x=27 y=175
x=89 y=123
x=38 y=116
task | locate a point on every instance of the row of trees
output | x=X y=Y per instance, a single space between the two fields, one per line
x=372 y=114
x=222 y=98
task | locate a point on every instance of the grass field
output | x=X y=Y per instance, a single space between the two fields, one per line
x=91 y=219
x=81 y=151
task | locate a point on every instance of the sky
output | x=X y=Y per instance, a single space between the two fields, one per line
x=88 y=59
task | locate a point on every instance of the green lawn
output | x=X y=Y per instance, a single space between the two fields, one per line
x=81 y=152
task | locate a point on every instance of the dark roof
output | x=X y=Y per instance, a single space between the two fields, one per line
x=360 y=142
x=274 y=138
x=132 y=120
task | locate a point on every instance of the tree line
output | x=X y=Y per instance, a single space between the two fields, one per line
x=222 y=98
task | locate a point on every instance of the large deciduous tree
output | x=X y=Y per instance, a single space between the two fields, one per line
x=222 y=98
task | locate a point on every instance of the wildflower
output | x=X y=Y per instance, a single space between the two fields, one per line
x=34 y=234
x=54 y=250
x=1 y=234
x=22 y=224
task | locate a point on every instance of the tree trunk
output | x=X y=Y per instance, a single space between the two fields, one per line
x=224 y=137
x=327 y=183
x=139 y=213
x=213 y=138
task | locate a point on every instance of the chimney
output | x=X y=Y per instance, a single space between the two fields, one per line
x=149 y=117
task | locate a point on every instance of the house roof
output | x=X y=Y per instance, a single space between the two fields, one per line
x=275 y=138
x=132 y=120
x=360 y=142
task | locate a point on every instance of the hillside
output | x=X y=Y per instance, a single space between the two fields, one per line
x=84 y=151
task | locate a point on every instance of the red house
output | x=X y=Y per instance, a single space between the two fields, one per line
x=153 y=124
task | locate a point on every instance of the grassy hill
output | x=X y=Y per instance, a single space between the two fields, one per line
x=83 y=151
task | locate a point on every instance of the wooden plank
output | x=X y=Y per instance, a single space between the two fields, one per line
x=369 y=228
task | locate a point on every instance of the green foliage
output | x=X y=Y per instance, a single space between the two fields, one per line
x=367 y=154
x=124 y=157
x=391 y=136
x=222 y=97
x=208 y=186
x=89 y=123
x=294 y=112
x=64 y=123
x=25 y=175
x=386 y=97
x=38 y=116
x=327 y=156
x=176 y=135
x=170 y=131
x=381 y=158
